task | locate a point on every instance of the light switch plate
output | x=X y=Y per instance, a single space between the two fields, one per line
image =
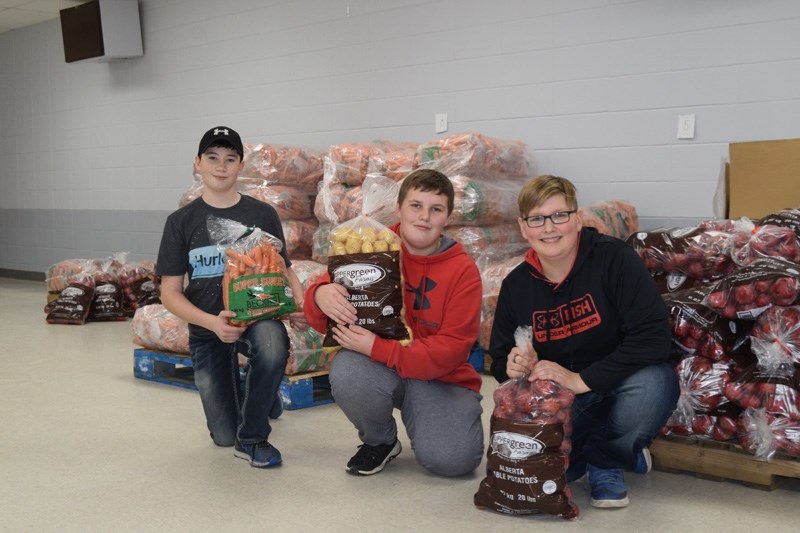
x=441 y=122
x=686 y=126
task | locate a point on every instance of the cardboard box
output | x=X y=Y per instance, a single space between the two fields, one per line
x=764 y=177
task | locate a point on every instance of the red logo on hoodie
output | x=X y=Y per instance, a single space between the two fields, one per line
x=569 y=319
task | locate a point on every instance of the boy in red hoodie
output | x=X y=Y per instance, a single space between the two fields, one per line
x=430 y=381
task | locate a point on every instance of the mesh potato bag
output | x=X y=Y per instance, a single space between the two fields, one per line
x=528 y=453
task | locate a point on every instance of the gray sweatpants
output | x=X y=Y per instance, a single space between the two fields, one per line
x=442 y=420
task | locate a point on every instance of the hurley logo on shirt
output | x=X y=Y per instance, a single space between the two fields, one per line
x=572 y=318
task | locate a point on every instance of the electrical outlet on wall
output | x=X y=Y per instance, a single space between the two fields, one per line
x=440 y=121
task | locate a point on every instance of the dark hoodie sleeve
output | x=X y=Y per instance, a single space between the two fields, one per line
x=502 y=337
x=646 y=337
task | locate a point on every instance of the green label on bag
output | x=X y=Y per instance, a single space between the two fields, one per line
x=260 y=296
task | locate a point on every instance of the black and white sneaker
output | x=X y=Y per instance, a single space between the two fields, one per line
x=370 y=460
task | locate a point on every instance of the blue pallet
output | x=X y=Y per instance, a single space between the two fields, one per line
x=297 y=392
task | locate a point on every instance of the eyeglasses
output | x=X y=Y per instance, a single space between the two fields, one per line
x=537 y=221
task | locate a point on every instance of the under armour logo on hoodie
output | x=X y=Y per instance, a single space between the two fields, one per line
x=425 y=285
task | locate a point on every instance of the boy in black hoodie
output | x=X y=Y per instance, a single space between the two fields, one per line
x=600 y=328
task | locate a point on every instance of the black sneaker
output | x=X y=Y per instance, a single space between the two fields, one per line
x=370 y=460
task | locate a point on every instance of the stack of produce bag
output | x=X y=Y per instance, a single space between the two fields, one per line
x=617 y=218
x=736 y=331
x=487 y=175
x=115 y=285
x=341 y=193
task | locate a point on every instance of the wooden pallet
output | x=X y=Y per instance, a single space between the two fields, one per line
x=297 y=392
x=721 y=461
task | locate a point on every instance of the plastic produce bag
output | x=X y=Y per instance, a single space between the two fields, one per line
x=771 y=383
x=764 y=434
x=108 y=300
x=139 y=284
x=765 y=241
x=529 y=448
x=305 y=351
x=155 y=328
x=254 y=285
x=778 y=330
x=364 y=257
x=751 y=290
x=695 y=252
x=73 y=303
x=696 y=329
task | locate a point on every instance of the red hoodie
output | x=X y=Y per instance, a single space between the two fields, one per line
x=443 y=309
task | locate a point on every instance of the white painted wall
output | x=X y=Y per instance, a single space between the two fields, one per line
x=593 y=86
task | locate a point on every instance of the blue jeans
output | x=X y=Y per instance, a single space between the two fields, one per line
x=609 y=430
x=236 y=408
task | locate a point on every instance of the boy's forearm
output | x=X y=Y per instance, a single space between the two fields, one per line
x=296 y=286
x=176 y=303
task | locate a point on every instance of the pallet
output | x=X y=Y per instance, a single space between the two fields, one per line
x=297 y=392
x=721 y=461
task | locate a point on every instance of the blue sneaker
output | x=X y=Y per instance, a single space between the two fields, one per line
x=607 y=486
x=644 y=462
x=259 y=454
x=277 y=407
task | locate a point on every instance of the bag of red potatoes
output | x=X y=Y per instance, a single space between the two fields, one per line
x=695 y=252
x=764 y=434
x=751 y=290
x=771 y=384
x=529 y=448
x=775 y=235
x=698 y=330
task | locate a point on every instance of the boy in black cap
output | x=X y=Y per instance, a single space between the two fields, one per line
x=237 y=414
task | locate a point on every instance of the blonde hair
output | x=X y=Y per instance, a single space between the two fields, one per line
x=537 y=191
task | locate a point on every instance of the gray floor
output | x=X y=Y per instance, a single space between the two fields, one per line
x=87 y=447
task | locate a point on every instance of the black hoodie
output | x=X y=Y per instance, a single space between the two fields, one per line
x=605 y=320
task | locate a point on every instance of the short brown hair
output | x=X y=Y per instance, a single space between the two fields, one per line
x=428 y=180
x=537 y=191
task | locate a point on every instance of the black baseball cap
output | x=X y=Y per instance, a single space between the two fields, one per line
x=221 y=134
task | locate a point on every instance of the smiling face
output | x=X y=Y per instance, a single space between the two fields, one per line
x=556 y=244
x=219 y=167
x=423 y=216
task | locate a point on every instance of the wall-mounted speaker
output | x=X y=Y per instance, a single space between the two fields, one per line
x=101 y=30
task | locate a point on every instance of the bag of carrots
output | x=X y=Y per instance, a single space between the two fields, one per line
x=254 y=285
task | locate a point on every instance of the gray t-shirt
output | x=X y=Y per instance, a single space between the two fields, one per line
x=186 y=248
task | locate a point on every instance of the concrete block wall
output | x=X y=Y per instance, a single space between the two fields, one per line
x=95 y=155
